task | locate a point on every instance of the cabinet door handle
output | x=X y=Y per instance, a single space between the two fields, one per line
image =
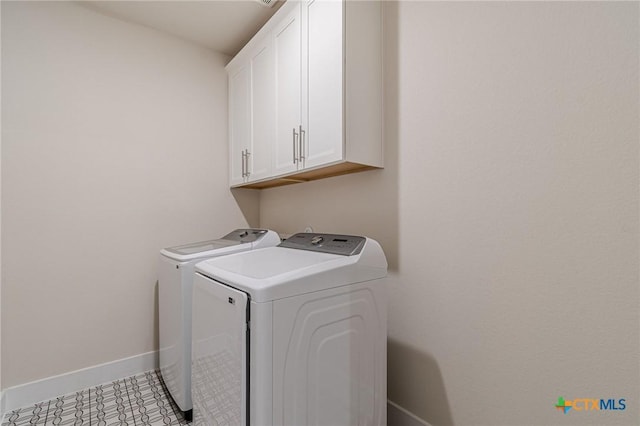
x=295 y=157
x=246 y=159
x=243 y=157
x=302 y=138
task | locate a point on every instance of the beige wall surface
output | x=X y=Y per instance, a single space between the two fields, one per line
x=114 y=145
x=1 y=408
x=508 y=209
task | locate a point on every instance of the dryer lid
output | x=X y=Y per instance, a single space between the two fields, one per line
x=345 y=245
x=237 y=240
x=245 y=235
x=284 y=271
x=199 y=249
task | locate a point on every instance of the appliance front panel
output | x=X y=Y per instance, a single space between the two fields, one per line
x=219 y=354
x=329 y=357
x=173 y=365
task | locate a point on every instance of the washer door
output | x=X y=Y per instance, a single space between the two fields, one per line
x=219 y=354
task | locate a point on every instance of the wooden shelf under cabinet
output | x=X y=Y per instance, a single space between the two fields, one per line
x=309 y=175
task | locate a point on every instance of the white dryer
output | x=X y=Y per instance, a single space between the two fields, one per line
x=292 y=335
x=175 y=285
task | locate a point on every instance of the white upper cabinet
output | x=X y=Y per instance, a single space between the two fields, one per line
x=251 y=115
x=239 y=117
x=322 y=89
x=314 y=76
x=288 y=60
x=262 y=113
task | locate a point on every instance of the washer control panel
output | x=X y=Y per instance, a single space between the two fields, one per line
x=346 y=245
x=245 y=235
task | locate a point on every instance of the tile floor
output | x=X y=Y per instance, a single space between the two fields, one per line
x=140 y=400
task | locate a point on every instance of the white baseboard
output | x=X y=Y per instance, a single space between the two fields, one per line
x=41 y=390
x=2 y=403
x=398 y=416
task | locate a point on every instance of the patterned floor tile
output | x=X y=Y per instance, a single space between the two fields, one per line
x=140 y=400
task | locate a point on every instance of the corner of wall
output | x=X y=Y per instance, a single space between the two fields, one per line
x=248 y=201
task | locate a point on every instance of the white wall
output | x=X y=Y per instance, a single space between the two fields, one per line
x=508 y=209
x=1 y=399
x=114 y=145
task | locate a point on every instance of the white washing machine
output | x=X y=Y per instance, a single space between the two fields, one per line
x=292 y=335
x=175 y=285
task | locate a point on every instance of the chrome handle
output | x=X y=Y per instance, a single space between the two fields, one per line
x=246 y=159
x=243 y=157
x=302 y=134
x=295 y=157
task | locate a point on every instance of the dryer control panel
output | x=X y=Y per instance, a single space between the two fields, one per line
x=245 y=235
x=345 y=245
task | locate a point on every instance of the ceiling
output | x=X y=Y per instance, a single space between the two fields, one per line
x=223 y=26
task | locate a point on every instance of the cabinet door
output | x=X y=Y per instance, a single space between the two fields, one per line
x=322 y=103
x=286 y=42
x=262 y=111
x=239 y=121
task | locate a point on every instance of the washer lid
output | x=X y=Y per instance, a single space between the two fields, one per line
x=235 y=241
x=200 y=249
